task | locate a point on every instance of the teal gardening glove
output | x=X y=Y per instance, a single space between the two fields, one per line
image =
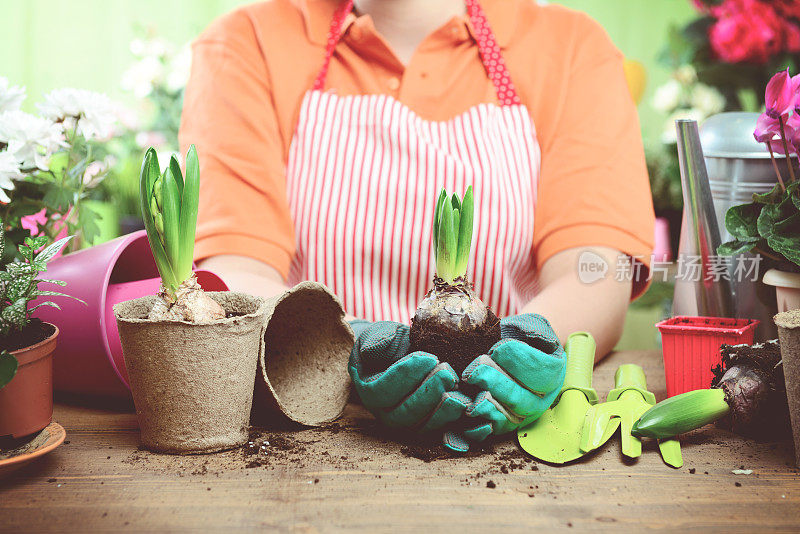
x=520 y=378
x=402 y=390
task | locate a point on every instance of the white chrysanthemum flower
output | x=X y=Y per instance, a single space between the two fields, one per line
x=9 y=171
x=707 y=99
x=11 y=97
x=142 y=76
x=179 y=68
x=669 y=135
x=30 y=139
x=668 y=96
x=91 y=114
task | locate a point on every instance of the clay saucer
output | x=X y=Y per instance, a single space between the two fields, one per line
x=45 y=441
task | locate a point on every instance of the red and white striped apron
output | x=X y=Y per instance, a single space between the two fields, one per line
x=363 y=177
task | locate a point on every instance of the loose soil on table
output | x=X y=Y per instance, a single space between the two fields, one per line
x=309 y=448
x=35 y=332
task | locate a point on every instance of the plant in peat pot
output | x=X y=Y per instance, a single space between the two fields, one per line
x=451 y=321
x=26 y=343
x=169 y=208
x=191 y=356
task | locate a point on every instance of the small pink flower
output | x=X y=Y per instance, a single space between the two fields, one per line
x=780 y=96
x=766 y=128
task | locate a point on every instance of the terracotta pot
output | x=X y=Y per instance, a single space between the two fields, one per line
x=787 y=288
x=193 y=384
x=26 y=403
x=789 y=334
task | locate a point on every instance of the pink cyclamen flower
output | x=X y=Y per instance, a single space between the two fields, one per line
x=767 y=128
x=779 y=96
x=796 y=92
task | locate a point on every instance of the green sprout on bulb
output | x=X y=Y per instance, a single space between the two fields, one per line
x=169 y=204
x=452 y=234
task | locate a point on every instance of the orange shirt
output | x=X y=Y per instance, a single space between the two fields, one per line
x=252 y=67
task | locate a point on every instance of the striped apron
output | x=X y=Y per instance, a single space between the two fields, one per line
x=363 y=177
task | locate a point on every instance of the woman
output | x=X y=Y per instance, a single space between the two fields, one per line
x=326 y=128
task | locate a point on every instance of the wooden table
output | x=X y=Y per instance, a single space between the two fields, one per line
x=350 y=476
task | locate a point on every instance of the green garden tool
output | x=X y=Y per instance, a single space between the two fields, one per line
x=556 y=436
x=624 y=405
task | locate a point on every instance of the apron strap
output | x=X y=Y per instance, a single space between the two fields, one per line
x=487 y=45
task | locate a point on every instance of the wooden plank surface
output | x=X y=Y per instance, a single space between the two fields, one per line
x=350 y=476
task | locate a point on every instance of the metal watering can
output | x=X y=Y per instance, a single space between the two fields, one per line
x=722 y=167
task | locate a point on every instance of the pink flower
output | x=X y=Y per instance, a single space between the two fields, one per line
x=780 y=96
x=752 y=30
x=766 y=128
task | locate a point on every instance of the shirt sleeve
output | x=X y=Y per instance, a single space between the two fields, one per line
x=593 y=188
x=229 y=116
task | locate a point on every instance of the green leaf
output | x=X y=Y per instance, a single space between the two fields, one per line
x=170 y=210
x=49 y=252
x=147 y=177
x=465 y=228
x=87 y=220
x=8 y=368
x=445 y=254
x=50 y=281
x=15 y=314
x=789 y=246
x=58 y=199
x=190 y=199
x=774 y=196
x=46 y=303
x=455 y=201
x=436 y=218
x=175 y=167
x=732 y=248
x=742 y=221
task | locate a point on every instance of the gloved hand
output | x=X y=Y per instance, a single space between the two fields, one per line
x=400 y=389
x=520 y=378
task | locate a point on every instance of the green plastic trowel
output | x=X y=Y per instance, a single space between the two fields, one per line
x=556 y=436
x=625 y=404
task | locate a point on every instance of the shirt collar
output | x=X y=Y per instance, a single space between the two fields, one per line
x=317 y=15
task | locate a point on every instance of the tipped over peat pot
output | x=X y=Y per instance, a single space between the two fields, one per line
x=303 y=368
x=192 y=384
x=26 y=402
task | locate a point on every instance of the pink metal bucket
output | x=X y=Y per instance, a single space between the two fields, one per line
x=88 y=359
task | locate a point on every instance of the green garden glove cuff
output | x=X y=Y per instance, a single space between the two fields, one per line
x=401 y=389
x=520 y=377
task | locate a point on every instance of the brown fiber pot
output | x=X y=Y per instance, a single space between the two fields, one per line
x=788 y=323
x=193 y=384
x=26 y=403
x=303 y=369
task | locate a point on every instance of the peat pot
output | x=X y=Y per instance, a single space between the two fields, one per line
x=193 y=384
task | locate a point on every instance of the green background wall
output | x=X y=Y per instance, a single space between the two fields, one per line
x=46 y=44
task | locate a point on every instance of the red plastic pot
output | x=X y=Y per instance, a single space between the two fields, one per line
x=26 y=403
x=691 y=348
x=89 y=356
